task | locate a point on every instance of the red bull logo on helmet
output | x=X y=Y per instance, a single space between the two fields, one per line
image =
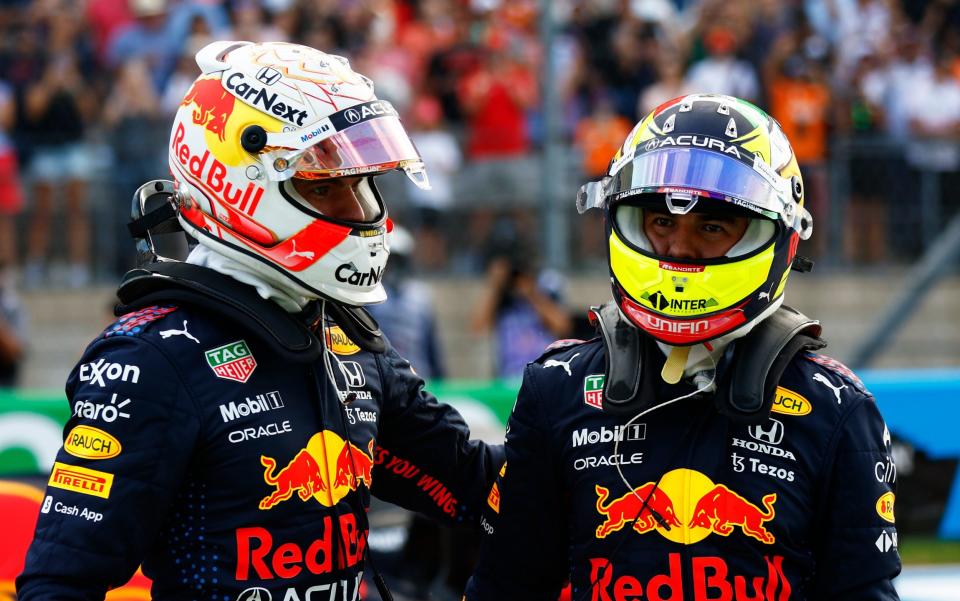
x=326 y=470
x=685 y=507
x=213 y=105
x=211 y=175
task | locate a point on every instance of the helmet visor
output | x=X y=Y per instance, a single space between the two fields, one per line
x=375 y=145
x=695 y=171
x=362 y=142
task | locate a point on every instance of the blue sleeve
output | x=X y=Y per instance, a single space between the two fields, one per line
x=127 y=445
x=425 y=460
x=857 y=556
x=524 y=549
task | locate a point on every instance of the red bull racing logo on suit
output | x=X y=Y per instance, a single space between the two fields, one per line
x=685 y=507
x=326 y=470
x=709 y=577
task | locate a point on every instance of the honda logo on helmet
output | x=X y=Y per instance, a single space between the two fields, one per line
x=268 y=75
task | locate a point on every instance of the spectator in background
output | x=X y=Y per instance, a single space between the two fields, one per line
x=495 y=99
x=440 y=150
x=183 y=75
x=800 y=99
x=670 y=83
x=598 y=136
x=630 y=69
x=252 y=21
x=862 y=118
x=407 y=316
x=861 y=27
x=522 y=305
x=57 y=108
x=721 y=72
x=12 y=329
x=907 y=71
x=11 y=197
x=149 y=37
x=137 y=132
x=933 y=118
x=105 y=18
x=909 y=67
x=159 y=32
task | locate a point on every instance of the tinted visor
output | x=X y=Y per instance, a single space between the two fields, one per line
x=696 y=171
x=371 y=146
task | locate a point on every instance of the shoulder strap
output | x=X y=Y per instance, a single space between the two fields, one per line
x=177 y=282
x=745 y=392
x=623 y=354
x=632 y=363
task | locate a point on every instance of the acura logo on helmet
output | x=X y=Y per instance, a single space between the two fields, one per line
x=352 y=115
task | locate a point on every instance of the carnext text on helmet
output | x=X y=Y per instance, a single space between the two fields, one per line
x=261 y=98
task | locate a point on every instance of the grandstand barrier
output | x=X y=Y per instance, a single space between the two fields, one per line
x=921 y=407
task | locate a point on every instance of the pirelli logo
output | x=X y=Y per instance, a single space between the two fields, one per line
x=80 y=479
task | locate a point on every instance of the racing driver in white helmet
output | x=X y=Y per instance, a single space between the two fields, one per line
x=228 y=429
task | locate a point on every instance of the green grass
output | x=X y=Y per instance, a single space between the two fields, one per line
x=917 y=550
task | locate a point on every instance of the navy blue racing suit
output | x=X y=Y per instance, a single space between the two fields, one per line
x=232 y=473
x=796 y=507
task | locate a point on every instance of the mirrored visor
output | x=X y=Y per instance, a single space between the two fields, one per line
x=691 y=170
x=374 y=145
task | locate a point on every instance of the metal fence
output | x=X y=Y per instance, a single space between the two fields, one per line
x=876 y=202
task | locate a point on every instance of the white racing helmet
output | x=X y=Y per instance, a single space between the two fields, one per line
x=261 y=115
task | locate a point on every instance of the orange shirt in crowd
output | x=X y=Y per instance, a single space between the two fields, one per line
x=599 y=137
x=802 y=108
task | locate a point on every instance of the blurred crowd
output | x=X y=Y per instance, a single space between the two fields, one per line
x=88 y=89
